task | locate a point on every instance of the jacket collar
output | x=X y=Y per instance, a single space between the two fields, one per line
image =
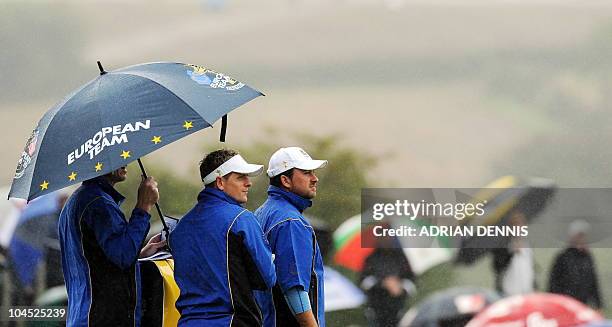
x=211 y=193
x=101 y=182
x=297 y=201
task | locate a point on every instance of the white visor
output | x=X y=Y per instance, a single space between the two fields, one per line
x=235 y=164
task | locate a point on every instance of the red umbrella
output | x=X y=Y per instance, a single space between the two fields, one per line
x=354 y=242
x=347 y=241
x=536 y=310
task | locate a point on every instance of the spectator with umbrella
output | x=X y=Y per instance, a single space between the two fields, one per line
x=510 y=202
x=514 y=265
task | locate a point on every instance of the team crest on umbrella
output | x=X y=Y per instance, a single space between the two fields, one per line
x=27 y=154
x=202 y=76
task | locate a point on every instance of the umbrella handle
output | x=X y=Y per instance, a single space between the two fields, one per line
x=161 y=215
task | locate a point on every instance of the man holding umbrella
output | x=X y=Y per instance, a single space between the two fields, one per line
x=90 y=133
x=220 y=254
x=297 y=298
x=100 y=248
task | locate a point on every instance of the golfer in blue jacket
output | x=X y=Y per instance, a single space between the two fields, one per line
x=297 y=297
x=220 y=253
x=100 y=248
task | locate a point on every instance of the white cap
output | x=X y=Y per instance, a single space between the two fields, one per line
x=292 y=157
x=235 y=164
x=578 y=226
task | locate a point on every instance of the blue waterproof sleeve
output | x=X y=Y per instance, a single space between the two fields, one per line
x=298 y=300
x=293 y=249
x=257 y=245
x=120 y=240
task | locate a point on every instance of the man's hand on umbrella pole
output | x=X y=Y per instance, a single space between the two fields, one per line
x=148 y=194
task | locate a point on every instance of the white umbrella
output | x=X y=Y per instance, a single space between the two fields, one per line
x=340 y=293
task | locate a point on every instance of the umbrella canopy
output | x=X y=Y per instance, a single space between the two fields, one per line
x=450 y=307
x=539 y=309
x=504 y=196
x=119 y=117
x=607 y=323
x=510 y=193
x=350 y=253
x=347 y=241
x=36 y=232
x=340 y=292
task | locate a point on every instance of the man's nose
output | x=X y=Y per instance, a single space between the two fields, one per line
x=314 y=177
x=247 y=182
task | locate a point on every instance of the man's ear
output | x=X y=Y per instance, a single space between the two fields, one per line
x=219 y=183
x=286 y=181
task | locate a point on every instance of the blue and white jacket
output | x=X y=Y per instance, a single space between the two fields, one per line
x=297 y=257
x=220 y=257
x=99 y=252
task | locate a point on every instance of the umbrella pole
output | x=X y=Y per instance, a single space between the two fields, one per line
x=161 y=215
x=223 y=128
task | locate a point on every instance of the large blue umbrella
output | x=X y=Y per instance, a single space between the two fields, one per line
x=35 y=233
x=119 y=117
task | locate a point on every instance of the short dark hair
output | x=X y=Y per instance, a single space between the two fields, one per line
x=213 y=160
x=276 y=180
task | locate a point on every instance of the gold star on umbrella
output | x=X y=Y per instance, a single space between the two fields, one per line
x=156 y=139
x=188 y=125
x=125 y=154
x=44 y=186
x=99 y=166
x=72 y=176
